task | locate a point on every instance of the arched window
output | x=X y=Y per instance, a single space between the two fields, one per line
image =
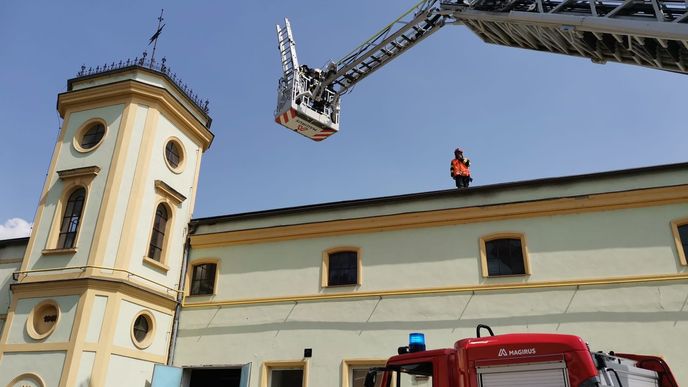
x=71 y=219
x=504 y=254
x=341 y=267
x=158 y=234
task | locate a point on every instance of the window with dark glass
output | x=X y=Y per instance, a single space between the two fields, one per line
x=93 y=136
x=203 y=279
x=158 y=234
x=141 y=328
x=504 y=257
x=71 y=219
x=172 y=154
x=683 y=236
x=286 y=378
x=358 y=376
x=342 y=268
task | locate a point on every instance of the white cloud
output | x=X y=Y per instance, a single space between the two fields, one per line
x=15 y=228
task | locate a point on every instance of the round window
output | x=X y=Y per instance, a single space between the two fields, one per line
x=90 y=136
x=174 y=155
x=27 y=380
x=43 y=319
x=142 y=329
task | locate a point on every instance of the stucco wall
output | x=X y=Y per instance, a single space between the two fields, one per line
x=627 y=242
x=70 y=158
x=85 y=368
x=602 y=245
x=122 y=194
x=183 y=183
x=6 y=270
x=47 y=365
x=127 y=313
x=124 y=371
x=645 y=318
x=63 y=329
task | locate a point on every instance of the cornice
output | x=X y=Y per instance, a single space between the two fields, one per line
x=127 y=88
x=91 y=172
x=169 y=192
x=77 y=285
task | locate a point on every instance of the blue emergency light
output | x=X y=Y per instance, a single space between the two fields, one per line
x=416 y=342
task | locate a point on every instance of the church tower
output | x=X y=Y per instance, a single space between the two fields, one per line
x=94 y=301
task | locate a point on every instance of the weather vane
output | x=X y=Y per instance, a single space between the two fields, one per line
x=154 y=38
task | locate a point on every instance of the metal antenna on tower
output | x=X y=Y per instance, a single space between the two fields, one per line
x=154 y=38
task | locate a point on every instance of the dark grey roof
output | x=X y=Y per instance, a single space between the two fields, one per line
x=14 y=241
x=476 y=190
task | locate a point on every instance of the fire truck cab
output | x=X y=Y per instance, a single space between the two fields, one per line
x=521 y=359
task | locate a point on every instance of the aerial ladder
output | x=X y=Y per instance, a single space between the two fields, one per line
x=648 y=33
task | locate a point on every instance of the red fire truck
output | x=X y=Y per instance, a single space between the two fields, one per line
x=520 y=359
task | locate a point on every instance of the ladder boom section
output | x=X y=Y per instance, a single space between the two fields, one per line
x=419 y=22
x=649 y=33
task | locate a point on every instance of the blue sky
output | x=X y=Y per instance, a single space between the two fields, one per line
x=518 y=114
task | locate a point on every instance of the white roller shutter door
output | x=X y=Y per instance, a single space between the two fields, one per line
x=524 y=375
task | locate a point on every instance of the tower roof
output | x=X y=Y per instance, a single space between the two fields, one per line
x=141 y=69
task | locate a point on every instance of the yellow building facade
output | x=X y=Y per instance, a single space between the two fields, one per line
x=117 y=277
x=93 y=300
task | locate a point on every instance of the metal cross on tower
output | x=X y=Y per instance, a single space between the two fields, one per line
x=154 y=38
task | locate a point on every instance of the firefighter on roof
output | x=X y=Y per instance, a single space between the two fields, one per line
x=459 y=169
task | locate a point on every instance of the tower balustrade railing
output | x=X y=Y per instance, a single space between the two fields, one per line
x=151 y=64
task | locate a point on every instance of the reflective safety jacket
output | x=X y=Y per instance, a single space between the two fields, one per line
x=460 y=167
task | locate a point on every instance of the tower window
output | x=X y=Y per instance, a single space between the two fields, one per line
x=203 y=279
x=142 y=329
x=92 y=136
x=71 y=219
x=172 y=154
x=158 y=234
x=341 y=267
x=43 y=319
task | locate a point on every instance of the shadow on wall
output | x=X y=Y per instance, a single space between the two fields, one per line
x=632 y=304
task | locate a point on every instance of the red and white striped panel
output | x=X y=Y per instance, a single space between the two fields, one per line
x=314 y=132
x=285 y=117
x=323 y=134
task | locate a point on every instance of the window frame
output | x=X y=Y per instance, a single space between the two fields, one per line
x=63 y=217
x=150 y=335
x=182 y=154
x=348 y=365
x=72 y=179
x=269 y=366
x=28 y=376
x=189 y=276
x=675 y=224
x=325 y=267
x=504 y=235
x=31 y=320
x=79 y=135
x=164 y=252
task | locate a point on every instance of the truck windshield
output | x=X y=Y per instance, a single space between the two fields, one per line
x=407 y=375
